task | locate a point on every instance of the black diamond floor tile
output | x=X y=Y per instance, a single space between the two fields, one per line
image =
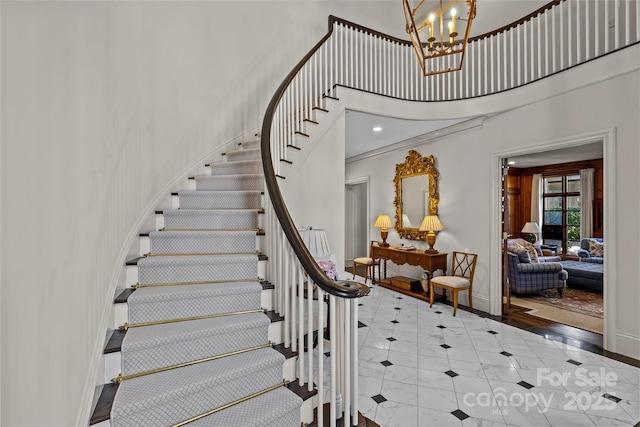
x=397 y=308
x=391 y=339
x=386 y=363
x=460 y=415
x=492 y=332
x=574 y=362
x=506 y=353
x=438 y=312
x=451 y=373
x=379 y=398
x=611 y=397
x=394 y=321
x=525 y=385
x=442 y=327
x=445 y=346
x=361 y=325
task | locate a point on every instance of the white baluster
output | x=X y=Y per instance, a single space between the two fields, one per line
x=353 y=357
x=310 y=331
x=333 y=352
x=320 y=412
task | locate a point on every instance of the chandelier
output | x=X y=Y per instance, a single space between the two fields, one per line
x=439 y=30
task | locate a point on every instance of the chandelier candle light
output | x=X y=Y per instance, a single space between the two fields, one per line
x=433 y=27
x=383 y=222
x=431 y=223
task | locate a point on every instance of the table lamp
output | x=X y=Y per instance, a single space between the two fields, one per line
x=431 y=223
x=316 y=241
x=383 y=222
x=533 y=230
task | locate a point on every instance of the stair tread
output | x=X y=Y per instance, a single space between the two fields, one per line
x=193 y=291
x=229 y=176
x=279 y=407
x=163 y=234
x=197 y=259
x=205 y=193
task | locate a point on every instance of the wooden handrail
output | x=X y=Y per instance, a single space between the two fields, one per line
x=346 y=289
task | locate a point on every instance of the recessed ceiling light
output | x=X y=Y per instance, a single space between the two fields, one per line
x=377 y=129
x=512 y=162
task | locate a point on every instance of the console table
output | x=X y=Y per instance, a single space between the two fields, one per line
x=429 y=262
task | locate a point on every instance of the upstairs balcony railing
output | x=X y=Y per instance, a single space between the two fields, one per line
x=561 y=35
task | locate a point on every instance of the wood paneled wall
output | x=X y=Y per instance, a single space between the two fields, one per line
x=519 y=191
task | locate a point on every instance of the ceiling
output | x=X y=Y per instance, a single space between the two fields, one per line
x=360 y=137
x=553 y=157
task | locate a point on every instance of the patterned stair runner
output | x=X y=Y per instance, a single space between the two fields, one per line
x=200 y=242
x=196 y=347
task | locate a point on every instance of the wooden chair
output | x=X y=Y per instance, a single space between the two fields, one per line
x=369 y=265
x=463 y=267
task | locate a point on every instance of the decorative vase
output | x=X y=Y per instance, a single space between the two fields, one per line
x=425 y=282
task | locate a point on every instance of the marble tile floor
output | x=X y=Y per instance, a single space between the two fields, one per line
x=420 y=366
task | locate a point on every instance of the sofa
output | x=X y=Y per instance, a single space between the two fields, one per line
x=591 y=250
x=527 y=277
x=544 y=255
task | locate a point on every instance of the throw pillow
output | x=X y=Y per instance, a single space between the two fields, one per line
x=533 y=254
x=596 y=248
x=523 y=254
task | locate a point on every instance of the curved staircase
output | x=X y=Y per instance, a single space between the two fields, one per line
x=196 y=342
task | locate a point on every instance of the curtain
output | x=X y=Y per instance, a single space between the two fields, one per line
x=536 y=199
x=586 y=201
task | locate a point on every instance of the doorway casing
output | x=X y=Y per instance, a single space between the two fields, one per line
x=349 y=223
x=608 y=138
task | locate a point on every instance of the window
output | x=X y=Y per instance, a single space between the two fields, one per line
x=561 y=216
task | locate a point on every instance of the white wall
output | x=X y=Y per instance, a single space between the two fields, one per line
x=104 y=105
x=314 y=193
x=466 y=162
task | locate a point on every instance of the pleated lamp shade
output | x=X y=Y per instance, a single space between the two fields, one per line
x=316 y=241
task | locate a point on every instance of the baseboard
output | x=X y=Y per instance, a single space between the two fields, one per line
x=628 y=345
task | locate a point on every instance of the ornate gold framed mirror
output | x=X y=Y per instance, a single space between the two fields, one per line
x=416 y=182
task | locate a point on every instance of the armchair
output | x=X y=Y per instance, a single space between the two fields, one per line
x=527 y=277
x=544 y=255
x=591 y=250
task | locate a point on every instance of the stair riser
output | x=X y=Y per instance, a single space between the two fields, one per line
x=224 y=183
x=195 y=243
x=231 y=168
x=132 y=275
x=246 y=154
x=211 y=268
x=201 y=220
x=113 y=361
x=121 y=310
x=219 y=201
x=250 y=144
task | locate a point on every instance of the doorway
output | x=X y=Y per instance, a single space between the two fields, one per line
x=356 y=243
x=501 y=211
